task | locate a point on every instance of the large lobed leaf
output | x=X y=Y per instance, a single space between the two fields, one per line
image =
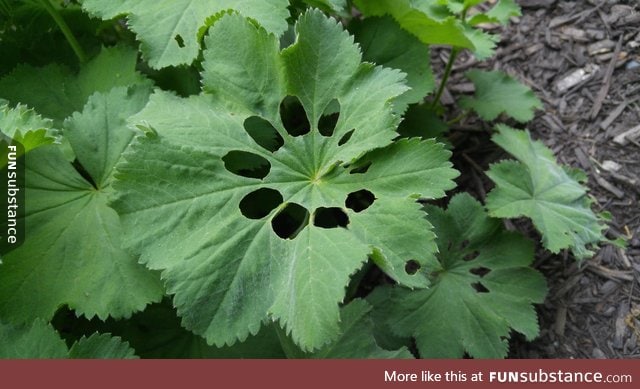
x=72 y=252
x=181 y=205
x=538 y=188
x=169 y=30
x=483 y=288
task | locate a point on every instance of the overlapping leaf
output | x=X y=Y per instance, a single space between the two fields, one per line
x=56 y=92
x=25 y=126
x=356 y=338
x=72 y=252
x=432 y=23
x=181 y=205
x=39 y=340
x=498 y=93
x=483 y=288
x=169 y=30
x=384 y=43
x=538 y=188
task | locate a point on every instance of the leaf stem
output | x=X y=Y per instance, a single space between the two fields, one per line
x=445 y=77
x=66 y=31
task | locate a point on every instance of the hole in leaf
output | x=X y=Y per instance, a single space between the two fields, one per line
x=329 y=118
x=464 y=244
x=246 y=164
x=360 y=169
x=294 y=116
x=84 y=173
x=179 y=39
x=360 y=200
x=263 y=133
x=412 y=266
x=290 y=221
x=330 y=218
x=471 y=256
x=260 y=203
x=345 y=138
x=480 y=271
x=479 y=288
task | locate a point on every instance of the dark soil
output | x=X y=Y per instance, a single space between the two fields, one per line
x=593 y=306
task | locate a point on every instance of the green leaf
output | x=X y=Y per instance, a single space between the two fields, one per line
x=328 y=5
x=101 y=346
x=383 y=42
x=229 y=272
x=498 y=93
x=26 y=126
x=55 y=92
x=169 y=30
x=418 y=18
x=499 y=13
x=356 y=338
x=433 y=23
x=483 y=288
x=92 y=275
x=536 y=187
x=39 y=340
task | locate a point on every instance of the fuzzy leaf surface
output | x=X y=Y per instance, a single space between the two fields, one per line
x=483 y=288
x=535 y=186
x=170 y=30
x=496 y=93
x=92 y=275
x=180 y=204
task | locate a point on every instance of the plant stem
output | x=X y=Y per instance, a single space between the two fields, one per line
x=66 y=31
x=445 y=76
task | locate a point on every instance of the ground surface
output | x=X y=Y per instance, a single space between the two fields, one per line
x=582 y=58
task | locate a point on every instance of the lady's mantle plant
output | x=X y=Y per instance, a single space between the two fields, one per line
x=181 y=193
x=252 y=208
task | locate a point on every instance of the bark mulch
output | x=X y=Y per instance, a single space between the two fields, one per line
x=582 y=58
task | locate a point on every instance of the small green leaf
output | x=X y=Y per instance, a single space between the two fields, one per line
x=499 y=13
x=92 y=275
x=536 y=187
x=169 y=30
x=26 y=126
x=498 y=93
x=483 y=288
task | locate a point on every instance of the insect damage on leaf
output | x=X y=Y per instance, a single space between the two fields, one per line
x=259 y=197
x=484 y=287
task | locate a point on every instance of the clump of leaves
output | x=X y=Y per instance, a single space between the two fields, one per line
x=276 y=211
x=289 y=255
